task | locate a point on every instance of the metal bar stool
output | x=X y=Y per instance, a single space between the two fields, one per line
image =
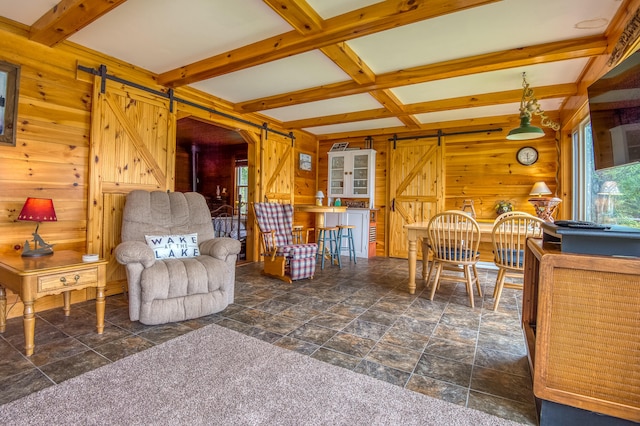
x=351 y=245
x=328 y=245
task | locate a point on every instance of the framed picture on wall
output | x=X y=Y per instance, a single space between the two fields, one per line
x=305 y=163
x=339 y=146
x=9 y=83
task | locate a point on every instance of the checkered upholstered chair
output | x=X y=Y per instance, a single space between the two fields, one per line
x=282 y=258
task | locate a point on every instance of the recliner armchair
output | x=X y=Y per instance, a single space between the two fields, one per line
x=189 y=273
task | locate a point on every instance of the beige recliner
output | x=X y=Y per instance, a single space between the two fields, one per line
x=188 y=273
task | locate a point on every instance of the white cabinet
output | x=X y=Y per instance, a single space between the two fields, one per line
x=359 y=218
x=352 y=174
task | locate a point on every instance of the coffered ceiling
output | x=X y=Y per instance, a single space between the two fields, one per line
x=339 y=68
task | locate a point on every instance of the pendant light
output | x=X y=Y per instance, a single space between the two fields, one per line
x=530 y=106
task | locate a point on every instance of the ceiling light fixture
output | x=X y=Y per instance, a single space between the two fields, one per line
x=530 y=106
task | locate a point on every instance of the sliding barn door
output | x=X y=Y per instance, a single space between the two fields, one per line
x=416 y=184
x=132 y=147
x=276 y=168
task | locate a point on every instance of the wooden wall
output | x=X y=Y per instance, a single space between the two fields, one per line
x=51 y=157
x=479 y=166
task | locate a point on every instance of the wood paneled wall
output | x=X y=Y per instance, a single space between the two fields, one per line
x=480 y=166
x=51 y=158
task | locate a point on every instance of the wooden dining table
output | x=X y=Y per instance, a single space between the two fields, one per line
x=418 y=231
x=319 y=211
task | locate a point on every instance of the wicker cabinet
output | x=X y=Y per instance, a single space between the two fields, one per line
x=581 y=319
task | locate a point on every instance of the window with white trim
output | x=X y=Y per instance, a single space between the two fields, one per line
x=610 y=196
x=242 y=185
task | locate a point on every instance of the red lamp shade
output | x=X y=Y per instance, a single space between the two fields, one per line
x=38 y=210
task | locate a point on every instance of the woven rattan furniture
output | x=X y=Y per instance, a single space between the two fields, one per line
x=581 y=318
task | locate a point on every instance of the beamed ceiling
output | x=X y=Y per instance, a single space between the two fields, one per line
x=346 y=68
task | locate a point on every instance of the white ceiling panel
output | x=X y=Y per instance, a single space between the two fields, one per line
x=160 y=35
x=507 y=24
x=285 y=75
x=547 y=74
x=357 y=126
x=341 y=105
x=25 y=11
x=330 y=8
x=485 y=111
x=164 y=35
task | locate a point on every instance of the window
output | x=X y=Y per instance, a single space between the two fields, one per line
x=242 y=186
x=610 y=196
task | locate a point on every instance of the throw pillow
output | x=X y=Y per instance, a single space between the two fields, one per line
x=173 y=246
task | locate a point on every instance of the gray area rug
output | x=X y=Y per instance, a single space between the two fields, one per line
x=218 y=376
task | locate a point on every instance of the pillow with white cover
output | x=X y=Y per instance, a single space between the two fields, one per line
x=173 y=246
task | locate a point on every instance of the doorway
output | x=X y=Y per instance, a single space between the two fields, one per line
x=207 y=158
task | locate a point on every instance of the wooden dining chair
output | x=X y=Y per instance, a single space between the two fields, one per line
x=454 y=238
x=429 y=266
x=509 y=237
x=509 y=214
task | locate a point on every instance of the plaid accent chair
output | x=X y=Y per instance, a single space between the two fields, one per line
x=282 y=258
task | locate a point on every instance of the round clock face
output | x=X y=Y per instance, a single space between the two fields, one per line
x=527 y=155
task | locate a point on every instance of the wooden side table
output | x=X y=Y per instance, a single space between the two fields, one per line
x=32 y=278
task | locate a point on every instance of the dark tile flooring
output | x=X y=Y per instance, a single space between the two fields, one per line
x=360 y=317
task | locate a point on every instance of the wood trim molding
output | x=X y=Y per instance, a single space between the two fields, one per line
x=628 y=39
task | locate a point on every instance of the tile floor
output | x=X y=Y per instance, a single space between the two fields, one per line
x=360 y=317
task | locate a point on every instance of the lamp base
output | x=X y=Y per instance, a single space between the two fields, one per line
x=42 y=251
x=545 y=207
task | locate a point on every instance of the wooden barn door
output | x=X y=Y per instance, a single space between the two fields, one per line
x=132 y=147
x=416 y=185
x=276 y=168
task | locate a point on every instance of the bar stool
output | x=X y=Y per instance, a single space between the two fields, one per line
x=351 y=245
x=328 y=245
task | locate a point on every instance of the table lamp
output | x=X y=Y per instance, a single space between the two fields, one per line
x=319 y=198
x=544 y=206
x=37 y=210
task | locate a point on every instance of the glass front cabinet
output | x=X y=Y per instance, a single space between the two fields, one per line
x=352 y=174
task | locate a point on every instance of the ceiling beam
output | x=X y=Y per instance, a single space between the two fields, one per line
x=393 y=104
x=303 y=18
x=471 y=101
x=467 y=124
x=298 y=14
x=358 y=23
x=512 y=58
x=68 y=17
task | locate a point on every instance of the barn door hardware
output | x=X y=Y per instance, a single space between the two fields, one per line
x=439 y=135
x=102 y=72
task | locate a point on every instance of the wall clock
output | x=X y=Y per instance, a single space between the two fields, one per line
x=527 y=155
